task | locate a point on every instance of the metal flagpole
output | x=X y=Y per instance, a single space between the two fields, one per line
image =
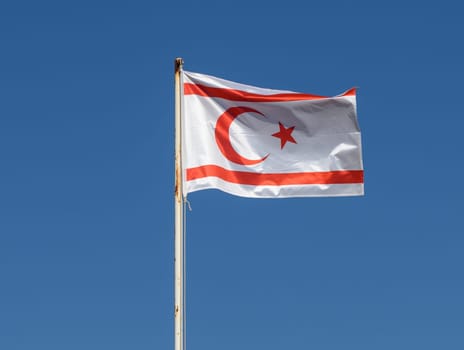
x=179 y=224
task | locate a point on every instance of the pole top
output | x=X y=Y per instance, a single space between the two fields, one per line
x=178 y=63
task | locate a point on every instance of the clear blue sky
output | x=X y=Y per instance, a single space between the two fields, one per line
x=86 y=179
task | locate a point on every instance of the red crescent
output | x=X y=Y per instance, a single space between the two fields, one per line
x=223 y=138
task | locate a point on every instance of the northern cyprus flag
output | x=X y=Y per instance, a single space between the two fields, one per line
x=256 y=142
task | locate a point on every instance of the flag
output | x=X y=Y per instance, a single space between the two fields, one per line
x=256 y=142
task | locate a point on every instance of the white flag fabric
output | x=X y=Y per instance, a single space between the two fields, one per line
x=256 y=142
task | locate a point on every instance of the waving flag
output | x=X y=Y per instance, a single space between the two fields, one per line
x=256 y=142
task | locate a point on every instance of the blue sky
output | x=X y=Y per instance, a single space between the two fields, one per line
x=86 y=179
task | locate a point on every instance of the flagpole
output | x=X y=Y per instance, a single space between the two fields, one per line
x=179 y=225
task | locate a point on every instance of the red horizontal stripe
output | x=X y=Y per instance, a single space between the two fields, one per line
x=239 y=95
x=277 y=179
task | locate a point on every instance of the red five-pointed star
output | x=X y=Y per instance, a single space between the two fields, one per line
x=285 y=135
